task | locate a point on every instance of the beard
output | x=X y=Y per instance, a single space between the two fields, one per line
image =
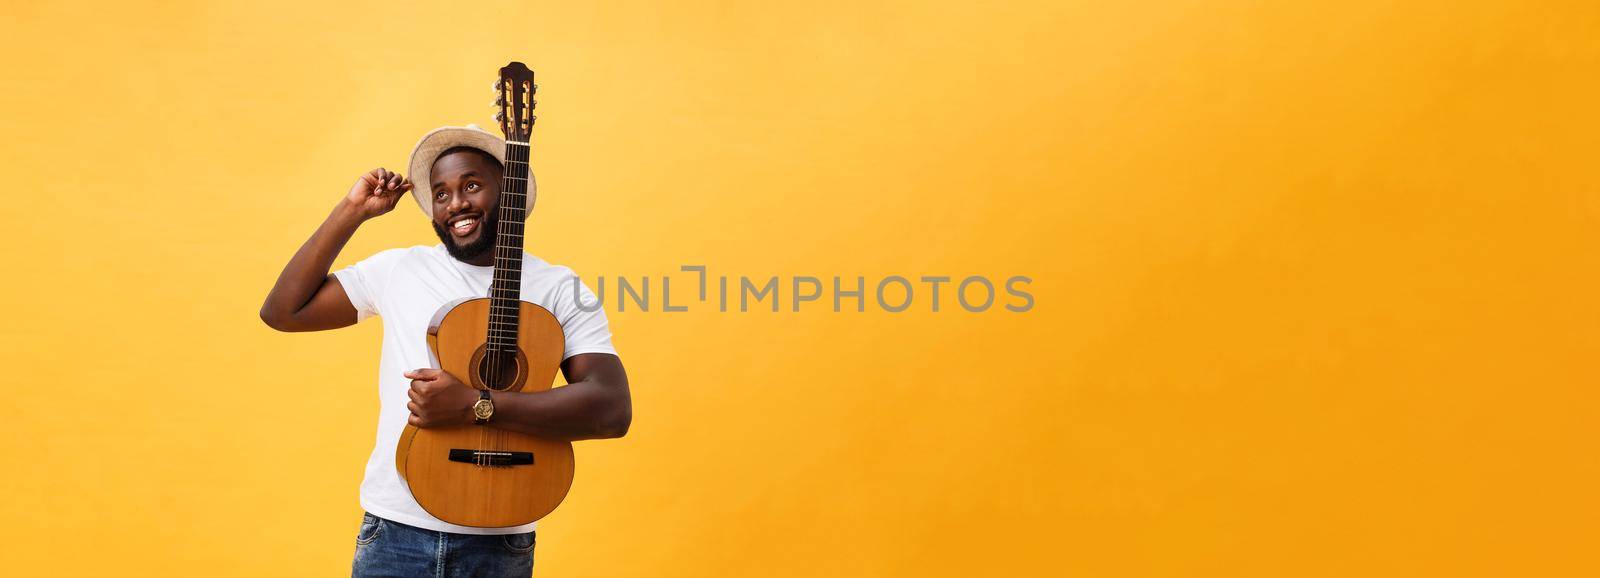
x=488 y=231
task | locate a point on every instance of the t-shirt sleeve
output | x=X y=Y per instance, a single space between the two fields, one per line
x=583 y=318
x=365 y=281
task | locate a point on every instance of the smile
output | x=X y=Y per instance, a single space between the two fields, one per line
x=464 y=226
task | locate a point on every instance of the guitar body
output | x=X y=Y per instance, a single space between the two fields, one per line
x=482 y=476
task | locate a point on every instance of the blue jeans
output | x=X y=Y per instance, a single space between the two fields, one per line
x=385 y=548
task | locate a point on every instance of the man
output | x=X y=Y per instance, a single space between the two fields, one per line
x=458 y=171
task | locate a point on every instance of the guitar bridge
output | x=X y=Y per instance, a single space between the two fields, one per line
x=491 y=458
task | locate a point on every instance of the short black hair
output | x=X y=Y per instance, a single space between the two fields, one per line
x=464 y=148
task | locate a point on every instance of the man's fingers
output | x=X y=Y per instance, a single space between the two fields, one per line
x=381 y=179
x=411 y=405
x=424 y=373
x=414 y=394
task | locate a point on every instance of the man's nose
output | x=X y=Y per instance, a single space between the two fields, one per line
x=457 y=204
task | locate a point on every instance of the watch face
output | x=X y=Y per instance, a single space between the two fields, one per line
x=483 y=409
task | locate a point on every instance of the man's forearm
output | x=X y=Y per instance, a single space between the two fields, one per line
x=583 y=410
x=309 y=267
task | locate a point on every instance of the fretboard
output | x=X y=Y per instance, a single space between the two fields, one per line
x=506 y=290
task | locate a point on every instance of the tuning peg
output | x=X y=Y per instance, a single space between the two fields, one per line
x=536 y=87
x=500 y=116
x=497 y=85
x=533 y=103
x=500 y=100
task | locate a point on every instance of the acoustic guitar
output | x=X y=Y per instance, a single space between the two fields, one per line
x=482 y=476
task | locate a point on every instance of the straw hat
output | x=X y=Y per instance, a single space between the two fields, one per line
x=445 y=138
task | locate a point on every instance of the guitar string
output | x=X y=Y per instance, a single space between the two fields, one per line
x=494 y=441
x=495 y=353
x=509 y=216
x=505 y=251
x=501 y=250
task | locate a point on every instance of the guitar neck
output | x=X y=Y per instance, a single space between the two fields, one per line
x=506 y=290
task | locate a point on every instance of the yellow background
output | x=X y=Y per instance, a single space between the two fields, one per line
x=1315 y=283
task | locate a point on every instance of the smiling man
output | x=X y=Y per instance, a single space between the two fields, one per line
x=460 y=170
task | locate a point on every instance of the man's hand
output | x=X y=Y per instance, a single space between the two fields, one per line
x=376 y=192
x=438 y=399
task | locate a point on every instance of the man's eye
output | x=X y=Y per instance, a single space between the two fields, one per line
x=439 y=195
x=471 y=186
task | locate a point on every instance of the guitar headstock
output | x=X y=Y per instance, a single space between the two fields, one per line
x=516 y=91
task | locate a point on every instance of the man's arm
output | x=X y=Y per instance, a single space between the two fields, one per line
x=595 y=403
x=306 y=297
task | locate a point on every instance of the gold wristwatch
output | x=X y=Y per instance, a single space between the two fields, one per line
x=484 y=408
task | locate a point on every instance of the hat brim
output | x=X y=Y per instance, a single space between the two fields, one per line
x=448 y=137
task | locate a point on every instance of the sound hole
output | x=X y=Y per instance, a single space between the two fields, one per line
x=498 y=369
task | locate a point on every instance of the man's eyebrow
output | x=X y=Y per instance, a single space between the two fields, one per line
x=437 y=184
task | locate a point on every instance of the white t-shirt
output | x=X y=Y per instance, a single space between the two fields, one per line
x=406 y=287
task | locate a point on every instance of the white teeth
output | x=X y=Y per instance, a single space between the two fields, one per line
x=464 y=223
